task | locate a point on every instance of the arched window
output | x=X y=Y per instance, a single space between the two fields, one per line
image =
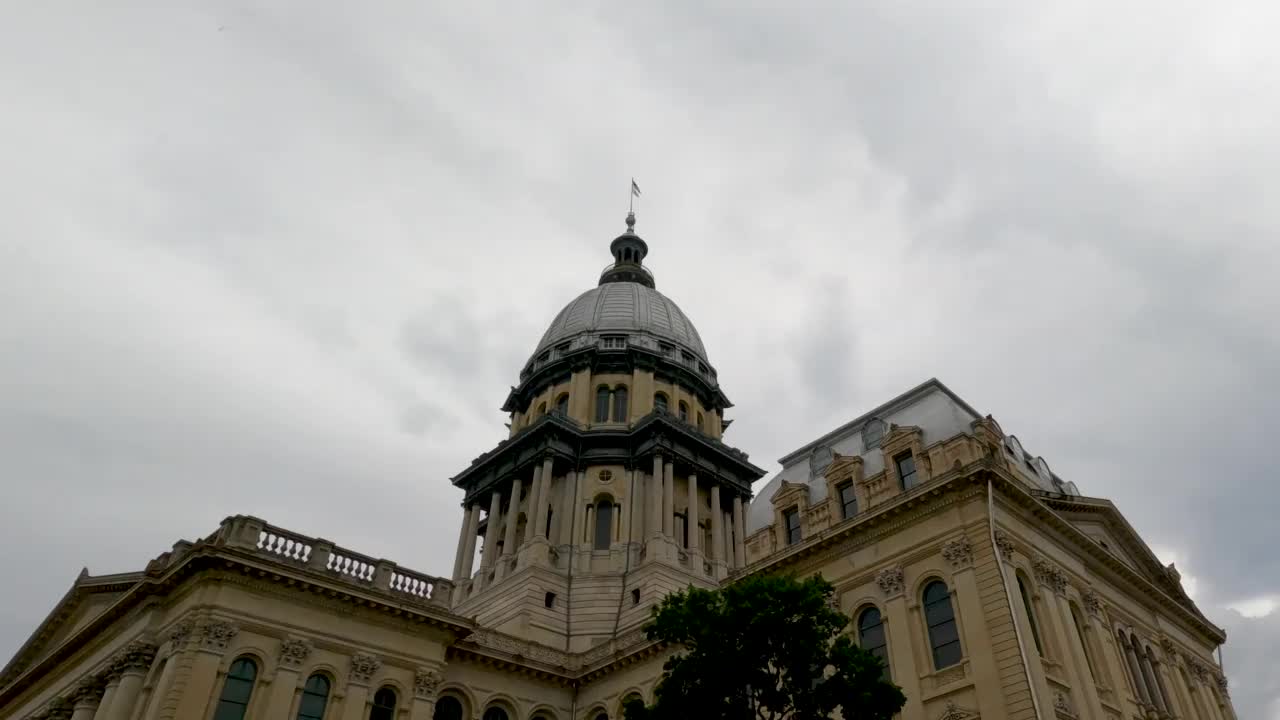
x=1031 y=614
x=315 y=696
x=448 y=708
x=1084 y=641
x=620 y=403
x=234 y=700
x=684 y=411
x=542 y=408
x=562 y=404
x=660 y=403
x=632 y=697
x=871 y=636
x=496 y=713
x=602 y=404
x=944 y=637
x=604 y=523
x=384 y=705
x=699 y=422
x=602 y=716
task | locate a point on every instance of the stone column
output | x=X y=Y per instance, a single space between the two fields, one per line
x=669 y=500
x=717 y=534
x=1053 y=625
x=293 y=655
x=892 y=582
x=692 y=527
x=509 y=540
x=1153 y=689
x=108 y=695
x=655 y=498
x=212 y=639
x=534 y=489
x=462 y=545
x=426 y=683
x=1157 y=668
x=635 y=499
x=489 y=553
x=729 y=561
x=86 y=696
x=568 y=506
x=739 y=534
x=543 y=494
x=959 y=554
x=469 y=549
x=132 y=664
x=363 y=667
x=1078 y=656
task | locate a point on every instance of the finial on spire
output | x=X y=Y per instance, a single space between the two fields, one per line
x=631 y=223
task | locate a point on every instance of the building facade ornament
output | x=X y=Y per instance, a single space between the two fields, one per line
x=1062 y=706
x=1050 y=576
x=294 y=652
x=57 y=709
x=88 y=692
x=958 y=552
x=1196 y=668
x=363 y=666
x=1004 y=544
x=955 y=712
x=136 y=656
x=216 y=635
x=892 y=581
x=1170 y=650
x=1092 y=603
x=426 y=681
x=1222 y=683
x=180 y=633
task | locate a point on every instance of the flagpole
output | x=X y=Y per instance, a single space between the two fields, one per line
x=631 y=191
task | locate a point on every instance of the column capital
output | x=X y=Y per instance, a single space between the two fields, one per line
x=134 y=657
x=294 y=652
x=958 y=552
x=88 y=692
x=216 y=635
x=426 y=682
x=892 y=581
x=363 y=666
x=1050 y=576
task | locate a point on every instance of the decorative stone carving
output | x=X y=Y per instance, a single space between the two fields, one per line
x=1092 y=603
x=180 y=633
x=1062 y=706
x=215 y=635
x=1222 y=684
x=425 y=683
x=58 y=709
x=1197 y=669
x=88 y=691
x=955 y=712
x=892 y=581
x=137 y=655
x=363 y=666
x=1170 y=650
x=1004 y=544
x=958 y=552
x=1050 y=576
x=294 y=652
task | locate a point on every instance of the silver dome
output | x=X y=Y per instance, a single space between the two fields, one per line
x=625 y=308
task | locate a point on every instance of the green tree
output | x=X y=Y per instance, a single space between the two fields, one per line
x=763 y=648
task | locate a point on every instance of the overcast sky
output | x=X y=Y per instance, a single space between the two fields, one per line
x=285 y=258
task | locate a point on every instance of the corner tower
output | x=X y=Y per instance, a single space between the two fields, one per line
x=614 y=486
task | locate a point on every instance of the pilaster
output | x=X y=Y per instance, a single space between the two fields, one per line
x=906 y=673
x=363 y=667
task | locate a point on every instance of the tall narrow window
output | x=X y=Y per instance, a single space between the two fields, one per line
x=906 y=470
x=791 y=519
x=1031 y=615
x=699 y=422
x=542 y=409
x=684 y=411
x=384 y=705
x=848 y=501
x=682 y=529
x=620 y=403
x=448 y=708
x=234 y=700
x=602 y=404
x=871 y=636
x=1084 y=641
x=604 y=524
x=315 y=696
x=660 y=403
x=944 y=638
x=562 y=404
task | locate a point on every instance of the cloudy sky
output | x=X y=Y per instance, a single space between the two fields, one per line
x=285 y=258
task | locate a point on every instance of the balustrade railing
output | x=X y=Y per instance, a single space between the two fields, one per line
x=339 y=563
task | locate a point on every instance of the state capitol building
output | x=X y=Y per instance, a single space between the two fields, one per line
x=991 y=587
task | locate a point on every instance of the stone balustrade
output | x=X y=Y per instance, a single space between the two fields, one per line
x=319 y=555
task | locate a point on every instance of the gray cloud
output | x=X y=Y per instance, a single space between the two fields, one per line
x=292 y=266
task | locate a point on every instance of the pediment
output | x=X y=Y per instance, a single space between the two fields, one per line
x=789 y=492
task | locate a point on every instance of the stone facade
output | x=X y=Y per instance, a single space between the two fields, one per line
x=1002 y=591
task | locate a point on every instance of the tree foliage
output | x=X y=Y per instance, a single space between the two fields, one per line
x=763 y=648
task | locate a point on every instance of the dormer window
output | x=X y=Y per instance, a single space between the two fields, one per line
x=791 y=519
x=614 y=342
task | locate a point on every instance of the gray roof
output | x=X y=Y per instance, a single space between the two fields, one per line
x=625 y=308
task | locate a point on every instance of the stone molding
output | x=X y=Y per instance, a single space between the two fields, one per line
x=135 y=656
x=88 y=692
x=180 y=633
x=363 y=666
x=958 y=552
x=892 y=581
x=216 y=635
x=1049 y=575
x=294 y=652
x=426 y=681
x=1222 y=684
x=954 y=712
x=1062 y=706
x=1004 y=544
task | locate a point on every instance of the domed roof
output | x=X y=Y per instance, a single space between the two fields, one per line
x=625 y=308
